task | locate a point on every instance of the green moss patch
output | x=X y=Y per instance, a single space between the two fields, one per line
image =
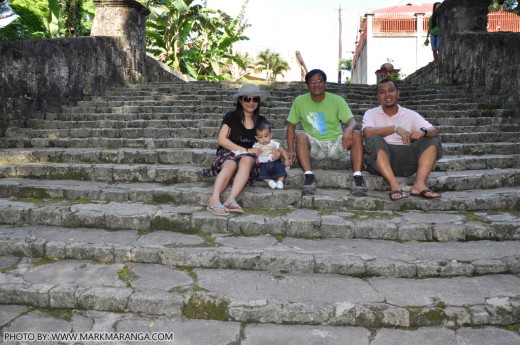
x=268 y=212
x=8 y=268
x=127 y=276
x=188 y=270
x=44 y=261
x=163 y=198
x=201 y=307
x=63 y=314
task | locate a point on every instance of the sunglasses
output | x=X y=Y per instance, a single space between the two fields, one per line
x=248 y=99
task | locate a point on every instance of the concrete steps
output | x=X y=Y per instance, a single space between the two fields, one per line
x=305 y=221
x=192 y=331
x=263 y=296
x=342 y=256
x=103 y=219
x=203 y=156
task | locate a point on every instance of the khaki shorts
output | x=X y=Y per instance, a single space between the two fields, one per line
x=321 y=149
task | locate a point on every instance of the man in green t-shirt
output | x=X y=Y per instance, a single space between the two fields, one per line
x=321 y=114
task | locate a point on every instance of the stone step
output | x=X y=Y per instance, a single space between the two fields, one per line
x=352 y=257
x=262 y=296
x=279 y=101
x=293 y=89
x=212 y=132
x=280 y=123
x=222 y=108
x=18 y=318
x=279 y=96
x=305 y=222
x=481 y=148
x=451 y=119
x=204 y=157
x=327 y=179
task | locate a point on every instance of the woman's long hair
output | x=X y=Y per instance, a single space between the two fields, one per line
x=435 y=15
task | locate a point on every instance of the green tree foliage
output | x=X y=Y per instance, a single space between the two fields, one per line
x=345 y=65
x=194 y=39
x=272 y=63
x=508 y=5
x=49 y=19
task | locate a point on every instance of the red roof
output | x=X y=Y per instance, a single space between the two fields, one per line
x=422 y=8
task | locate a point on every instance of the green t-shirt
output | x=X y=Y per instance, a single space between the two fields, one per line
x=322 y=119
x=433 y=30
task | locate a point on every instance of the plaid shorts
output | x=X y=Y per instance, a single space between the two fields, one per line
x=321 y=149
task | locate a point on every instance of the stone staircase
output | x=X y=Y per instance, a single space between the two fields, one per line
x=104 y=227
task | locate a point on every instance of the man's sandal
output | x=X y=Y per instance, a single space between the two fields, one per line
x=397 y=195
x=422 y=194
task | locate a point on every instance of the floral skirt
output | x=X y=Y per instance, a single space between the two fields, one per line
x=224 y=155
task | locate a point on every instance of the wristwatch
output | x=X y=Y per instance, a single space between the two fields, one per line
x=425 y=130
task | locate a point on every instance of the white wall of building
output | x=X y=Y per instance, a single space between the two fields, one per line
x=406 y=51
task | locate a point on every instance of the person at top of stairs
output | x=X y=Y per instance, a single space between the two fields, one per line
x=236 y=156
x=399 y=142
x=321 y=114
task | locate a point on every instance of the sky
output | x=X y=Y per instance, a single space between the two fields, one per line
x=308 y=26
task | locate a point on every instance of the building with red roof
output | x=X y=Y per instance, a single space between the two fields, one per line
x=396 y=35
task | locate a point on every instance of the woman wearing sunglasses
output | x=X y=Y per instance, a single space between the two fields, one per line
x=236 y=157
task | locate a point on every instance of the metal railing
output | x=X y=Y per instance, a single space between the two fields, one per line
x=401 y=23
x=397 y=22
x=503 y=21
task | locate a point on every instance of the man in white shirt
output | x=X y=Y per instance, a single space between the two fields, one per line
x=399 y=142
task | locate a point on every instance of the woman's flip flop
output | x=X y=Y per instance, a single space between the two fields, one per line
x=213 y=209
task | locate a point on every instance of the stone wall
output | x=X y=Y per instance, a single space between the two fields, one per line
x=40 y=75
x=487 y=63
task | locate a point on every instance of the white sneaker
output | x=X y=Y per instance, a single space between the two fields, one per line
x=279 y=184
x=272 y=184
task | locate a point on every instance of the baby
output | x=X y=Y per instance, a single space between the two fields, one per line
x=270 y=170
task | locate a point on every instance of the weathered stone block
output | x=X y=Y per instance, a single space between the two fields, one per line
x=283 y=260
x=156 y=303
x=339 y=264
x=104 y=298
x=307 y=313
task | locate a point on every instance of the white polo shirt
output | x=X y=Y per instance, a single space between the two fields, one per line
x=405 y=118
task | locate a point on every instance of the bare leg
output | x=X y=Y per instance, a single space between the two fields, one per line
x=425 y=166
x=221 y=182
x=303 y=151
x=356 y=152
x=281 y=178
x=241 y=177
x=384 y=168
x=436 y=56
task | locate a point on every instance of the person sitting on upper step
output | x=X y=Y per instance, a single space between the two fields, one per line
x=321 y=114
x=399 y=142
x=236 y=158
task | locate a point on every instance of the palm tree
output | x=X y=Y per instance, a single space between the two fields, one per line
x=272 y=63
